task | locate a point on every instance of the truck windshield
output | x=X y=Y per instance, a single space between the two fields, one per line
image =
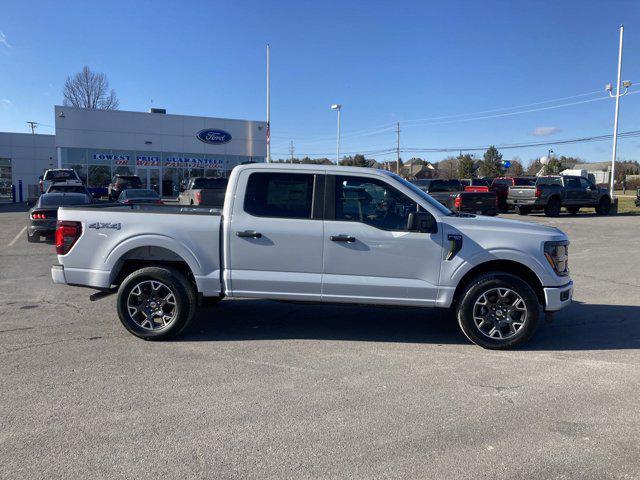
x=524 y=182
x=425 y=196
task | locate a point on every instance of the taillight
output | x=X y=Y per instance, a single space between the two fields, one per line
x=198 y=198
x=457 y=202
x=160 y=202
x=67 y=233
x=538 y=192
x=38 y=215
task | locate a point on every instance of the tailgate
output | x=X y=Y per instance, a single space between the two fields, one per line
x=522 y=193
x=477 y=201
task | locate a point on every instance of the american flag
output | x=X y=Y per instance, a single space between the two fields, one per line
x=268 y=133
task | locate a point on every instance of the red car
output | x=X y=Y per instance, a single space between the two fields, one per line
x=501 y=187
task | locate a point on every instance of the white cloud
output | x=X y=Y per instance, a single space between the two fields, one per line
x=4 y=41
x=545 y=131
x=5 y=103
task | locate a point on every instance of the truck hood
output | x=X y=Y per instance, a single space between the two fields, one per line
x=481 y=225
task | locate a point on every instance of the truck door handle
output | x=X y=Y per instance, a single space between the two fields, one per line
x=249 y=234
x=342 y=238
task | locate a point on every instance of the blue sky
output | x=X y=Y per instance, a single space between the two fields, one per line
x=384 y=61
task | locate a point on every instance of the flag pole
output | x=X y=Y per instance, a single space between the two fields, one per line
x=268 y=106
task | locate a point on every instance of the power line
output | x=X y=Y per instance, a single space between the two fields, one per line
x=505 y=146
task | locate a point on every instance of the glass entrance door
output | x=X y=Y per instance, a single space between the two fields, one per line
x=150 y=177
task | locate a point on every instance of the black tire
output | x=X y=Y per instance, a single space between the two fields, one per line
x=573 y=210
x=553 y=207
x=485 y=284
x=33 y=238
x=604 y=206
x=184 y=295
x=523 y=210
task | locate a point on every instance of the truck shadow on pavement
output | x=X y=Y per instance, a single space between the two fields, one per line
x=579 y=327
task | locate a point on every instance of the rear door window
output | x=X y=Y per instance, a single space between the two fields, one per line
x=279 y=195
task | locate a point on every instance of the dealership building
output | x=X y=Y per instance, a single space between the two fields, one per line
x=160 y=148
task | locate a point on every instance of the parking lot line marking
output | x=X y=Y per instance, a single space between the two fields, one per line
x=15 y=239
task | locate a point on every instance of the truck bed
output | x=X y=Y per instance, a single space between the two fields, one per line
x=112 y=234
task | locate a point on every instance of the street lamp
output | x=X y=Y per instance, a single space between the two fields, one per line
x=337 y=106
x=609 y=88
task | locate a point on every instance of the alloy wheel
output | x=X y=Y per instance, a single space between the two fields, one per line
x=152 y=305
x=499 y=313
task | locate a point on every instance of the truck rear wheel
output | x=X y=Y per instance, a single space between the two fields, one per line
x=156 y=303
x=604 y=206
x=498 y=311
x=553 y=207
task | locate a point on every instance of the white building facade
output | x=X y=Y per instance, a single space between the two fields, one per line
x=162 y=149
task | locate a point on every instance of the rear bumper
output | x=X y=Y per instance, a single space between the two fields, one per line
x=57 y=274
x=556 y=298
x=34 y=232
x=526 y=202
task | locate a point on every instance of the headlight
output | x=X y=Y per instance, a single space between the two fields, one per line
x=557 y=254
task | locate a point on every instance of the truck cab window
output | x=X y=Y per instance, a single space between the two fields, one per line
x=280 y=195
x=372 y=202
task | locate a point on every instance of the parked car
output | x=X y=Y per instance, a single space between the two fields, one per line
x=454 y=195
x=551 y=193
x=119 y=183
x=316 y=233
x=60 y=176
x=205 y=191
x=501 y=187
x=43 y=216
x=638 y=197
x=140 y=195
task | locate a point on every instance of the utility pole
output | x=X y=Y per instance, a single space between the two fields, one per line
x=268 y=105
x=33 y=126
x=398 y=150
x=626 y=84
x=291 y=150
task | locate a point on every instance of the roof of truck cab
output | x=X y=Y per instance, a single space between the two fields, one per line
x=310 y=167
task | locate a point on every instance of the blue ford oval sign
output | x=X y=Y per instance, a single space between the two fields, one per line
x=214 y=136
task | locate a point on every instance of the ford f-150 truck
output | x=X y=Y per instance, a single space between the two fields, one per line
x=457 y=196
x=551 y=193
x=313 y=233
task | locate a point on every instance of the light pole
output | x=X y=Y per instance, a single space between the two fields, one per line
x=337 y=106
x=609 y=88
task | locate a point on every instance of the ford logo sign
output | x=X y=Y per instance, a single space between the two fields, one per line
x=213 y=136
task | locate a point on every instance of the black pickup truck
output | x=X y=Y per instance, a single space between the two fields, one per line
x=638 y=197
x=452 y=194
x=551 y=193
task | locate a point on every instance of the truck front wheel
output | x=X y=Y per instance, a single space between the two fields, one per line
x=498 y=311
x=156 y=303
x=604 y=206
x=553 y=207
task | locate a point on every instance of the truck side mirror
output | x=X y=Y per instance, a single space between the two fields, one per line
x=422 y=222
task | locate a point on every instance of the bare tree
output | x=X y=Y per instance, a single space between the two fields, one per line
x=87 y=89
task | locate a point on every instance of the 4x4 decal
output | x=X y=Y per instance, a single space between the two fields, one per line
x=99 y=225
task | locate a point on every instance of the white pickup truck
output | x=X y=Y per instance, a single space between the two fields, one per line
x=320 y=234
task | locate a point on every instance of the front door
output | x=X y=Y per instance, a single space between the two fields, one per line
x=150 y=177
x=274 y=237
x=369 y=256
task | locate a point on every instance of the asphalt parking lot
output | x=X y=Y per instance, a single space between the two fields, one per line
x=260 y=389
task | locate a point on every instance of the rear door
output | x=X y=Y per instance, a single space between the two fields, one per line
x=275 y=235
x=589 y=192
x=369 y=256
x=574 y=193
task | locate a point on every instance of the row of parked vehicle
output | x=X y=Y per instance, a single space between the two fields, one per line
x=524 y=194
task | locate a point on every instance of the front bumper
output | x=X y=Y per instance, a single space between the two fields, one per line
x=556 y=298
x=57 y=274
